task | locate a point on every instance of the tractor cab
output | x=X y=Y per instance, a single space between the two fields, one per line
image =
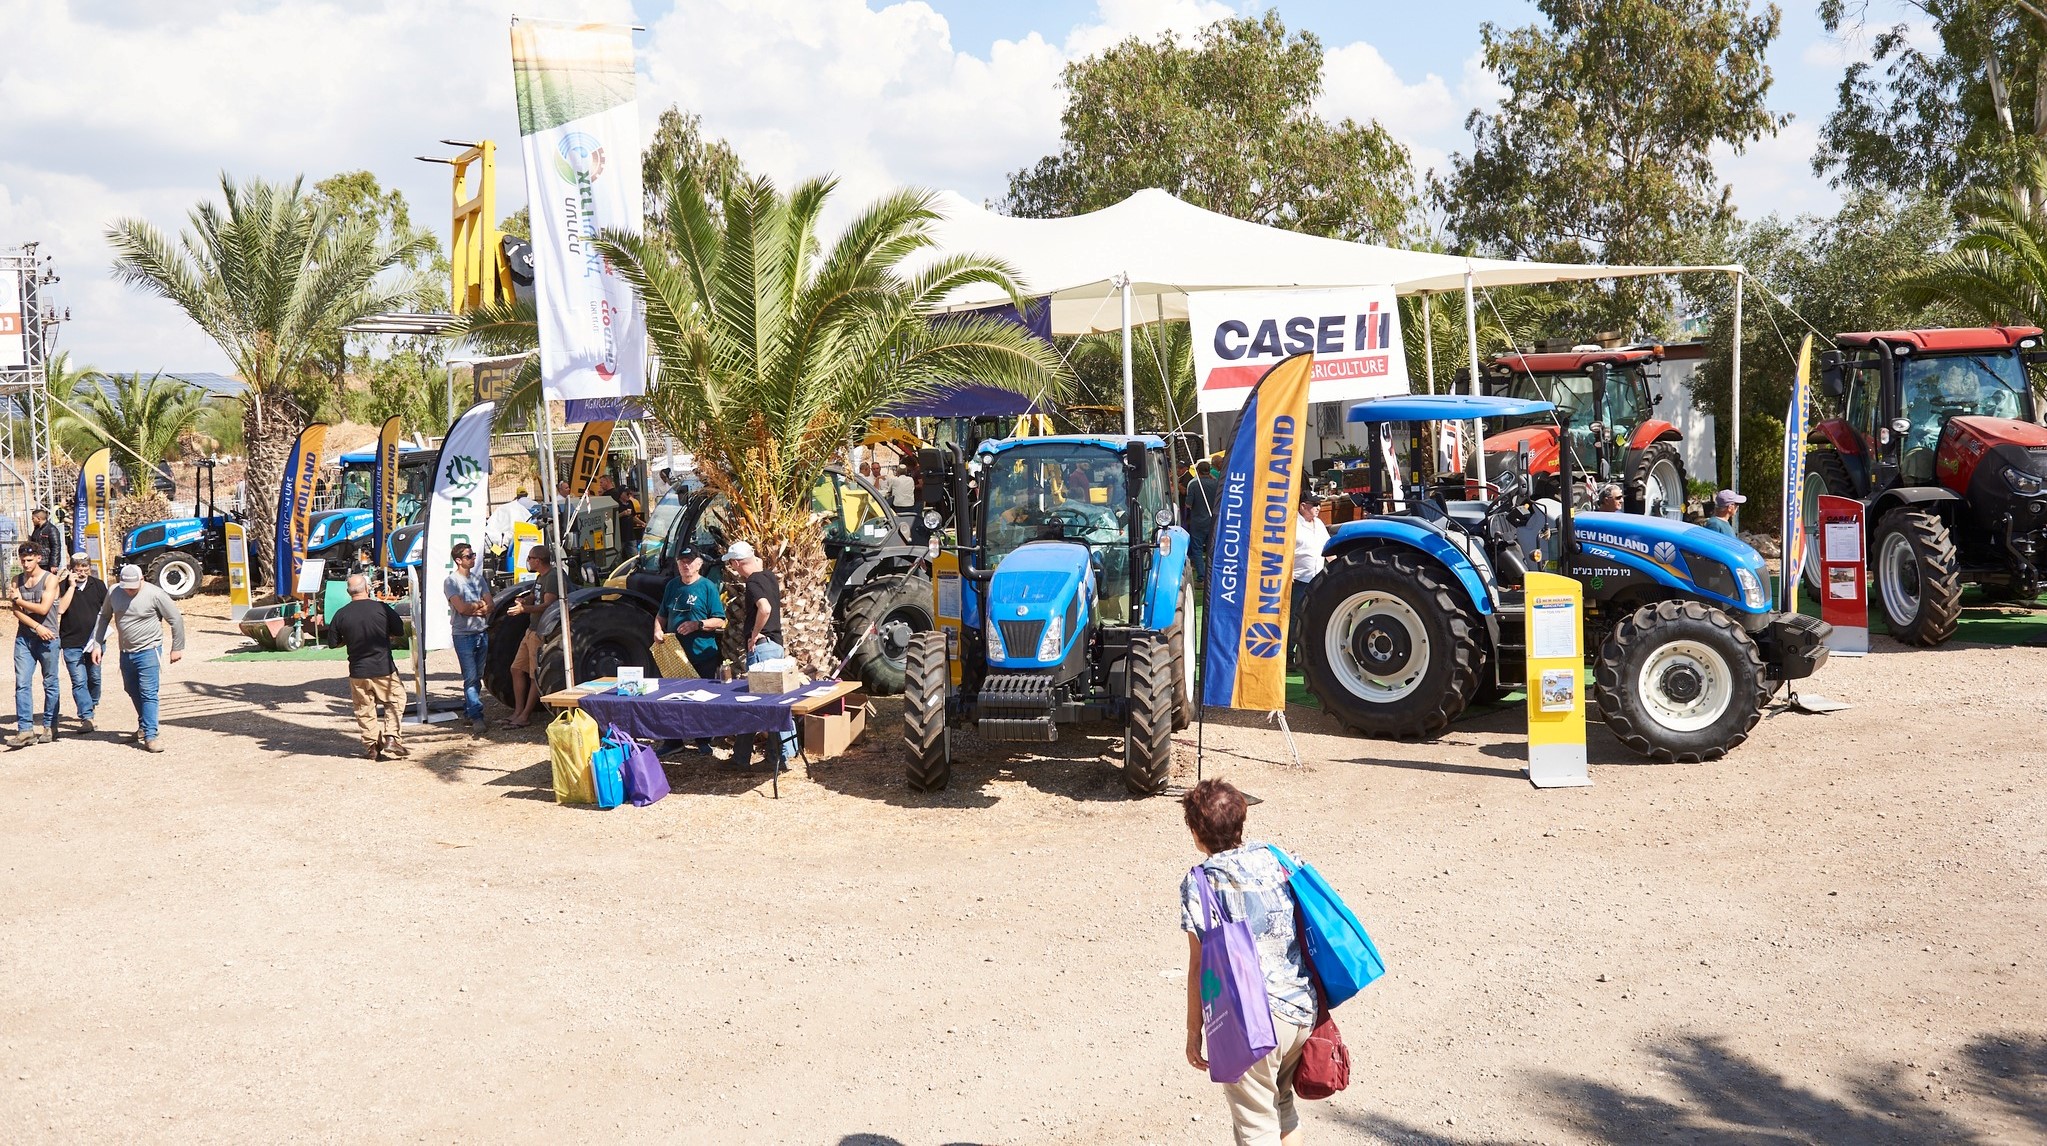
x=1605 y=403
x=1074 y=495
x=335 y=530
x=1938 y=432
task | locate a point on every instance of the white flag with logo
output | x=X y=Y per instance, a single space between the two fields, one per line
x=459 y=508
x=579 y=125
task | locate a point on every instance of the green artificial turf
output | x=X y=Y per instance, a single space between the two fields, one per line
x=1983 y=622
x=308 y=653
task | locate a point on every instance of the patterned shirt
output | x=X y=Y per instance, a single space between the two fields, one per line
x=1248 y=884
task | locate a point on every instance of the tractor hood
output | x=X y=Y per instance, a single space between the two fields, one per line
x=2002 y=431
x=1675 y=554
x=1038 y=599
x=334 y=526
x=1505 y=446
x=1967 y=441
x=171 y=534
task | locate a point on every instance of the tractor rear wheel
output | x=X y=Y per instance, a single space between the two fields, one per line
x=1825 y=473
x=176 y=573
x=1182 y=644
x=1917 y=580
x=903 y=605
x=1148 y=724
x=1657 y=487
x=1680 y=682
x=1391 y=648
x=506 y=633
x=607 y=635
x=927 y=732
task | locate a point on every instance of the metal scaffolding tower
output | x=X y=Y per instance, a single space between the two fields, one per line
x=28 y=325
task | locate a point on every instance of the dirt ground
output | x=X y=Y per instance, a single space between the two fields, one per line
x=1835 y=935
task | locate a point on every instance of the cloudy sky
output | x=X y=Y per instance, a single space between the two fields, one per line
x=133 y=107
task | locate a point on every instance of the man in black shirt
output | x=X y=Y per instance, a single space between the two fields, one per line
x=44 y=533
x=80 y=595
x=368 y=628
x=760 y=619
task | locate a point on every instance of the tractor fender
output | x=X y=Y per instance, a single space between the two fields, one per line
x=1650 y=432
x=1415 y=534
x=1939 y=498
x=547 y=624
x=1836 y=432
x=1168 y=570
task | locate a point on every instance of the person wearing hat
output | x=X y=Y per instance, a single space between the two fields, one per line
x=533 y=598
x=693 y=610
x=79 y=602
x=760 y=618
x=138 y=612
x=1311 y=536
x=33 y=596
x=1722 y=520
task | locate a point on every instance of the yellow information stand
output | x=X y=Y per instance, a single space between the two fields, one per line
x=96 y=548
x=1556 y=682
x=946 y=607
x=237 y=571
x=525 y=538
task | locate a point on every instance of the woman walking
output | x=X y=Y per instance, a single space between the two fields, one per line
x=1248 y=884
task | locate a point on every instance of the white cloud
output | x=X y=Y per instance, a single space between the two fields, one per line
x=1774 y=176
x=1358 y=83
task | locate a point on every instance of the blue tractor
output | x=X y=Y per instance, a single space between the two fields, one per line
x=336 y=534
x=1420 y=609
x=1069 y=603
x=175 y=553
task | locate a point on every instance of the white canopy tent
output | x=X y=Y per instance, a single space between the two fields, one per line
x=1137 y=261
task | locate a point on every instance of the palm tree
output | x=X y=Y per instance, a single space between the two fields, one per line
x=267 y=278
x=1509 y=318
x=772 y=351
x=1997 y=269
x=142 y=419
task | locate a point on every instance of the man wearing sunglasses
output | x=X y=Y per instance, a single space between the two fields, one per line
x=468 y=593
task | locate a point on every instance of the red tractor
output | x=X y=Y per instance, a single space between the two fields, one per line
x=1606 y=396
x=1939 y=435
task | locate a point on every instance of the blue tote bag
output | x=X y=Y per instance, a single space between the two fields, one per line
x=1344 y=957
x=1236 y=1014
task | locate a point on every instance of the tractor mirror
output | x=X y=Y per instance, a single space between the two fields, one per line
x=1830 y=380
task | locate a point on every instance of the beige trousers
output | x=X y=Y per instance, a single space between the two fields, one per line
x=367 y=693
x=1262 y=1102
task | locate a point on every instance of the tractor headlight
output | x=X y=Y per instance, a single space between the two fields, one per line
x=1752 y=593
x=1055 y=636
x=993 y=636
x=2022 y=482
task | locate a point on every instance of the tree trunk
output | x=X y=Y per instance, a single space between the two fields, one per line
x=805 y=574
x=268 y=442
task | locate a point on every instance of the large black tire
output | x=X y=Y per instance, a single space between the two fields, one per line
x=176 y=573
x=1392 y=647
x=927 y=733
x=1148 y=724
x=1657 y=487
x=904 y=606
x=1182 y=644
x=1918 y=581
x=505 y=635
x=1826 y=473
x=1680 y=682
x=607 y=635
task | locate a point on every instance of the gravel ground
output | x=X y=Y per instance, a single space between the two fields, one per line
x=1832 y=936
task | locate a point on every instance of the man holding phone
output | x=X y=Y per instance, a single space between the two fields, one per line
x=32 y=596
x=138 y=611
x=80 y=602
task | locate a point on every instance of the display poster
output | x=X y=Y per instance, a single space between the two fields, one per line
x=1251 y=561
x=579 y=126
x=1556 y=682
x=1844 y=576
x=238 y=590
x=1352 y=335
x=13 y=330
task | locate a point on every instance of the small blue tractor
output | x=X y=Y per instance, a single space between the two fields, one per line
x=335 y=534
x=1420 y=609
x=1068 y=601
x=174 y=554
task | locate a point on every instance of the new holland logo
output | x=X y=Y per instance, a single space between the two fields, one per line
x=1665 y=553
x=1262 y=640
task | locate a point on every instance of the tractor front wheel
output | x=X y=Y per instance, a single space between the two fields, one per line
x=1389 y=646
x=1916 y=577
x=1182 y=643
x=607 y=635
x=1148 y=725
x=1680 y=682
x=176 y=573
x=927 y=733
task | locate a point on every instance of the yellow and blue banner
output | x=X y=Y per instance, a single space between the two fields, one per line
x=1251 y=563
x=1795 y=429
x=295 y=505
x=384 y=491
x=94 y=485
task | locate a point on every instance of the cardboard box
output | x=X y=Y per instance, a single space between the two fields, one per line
x=828 y=735
x=768 y=683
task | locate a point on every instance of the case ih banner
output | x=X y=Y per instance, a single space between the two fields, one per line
x=1354 y=335
x=1251 y=559
x=579 y=122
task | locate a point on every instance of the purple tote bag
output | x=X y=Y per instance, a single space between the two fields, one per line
x=645 y=782
x=1236 y=1014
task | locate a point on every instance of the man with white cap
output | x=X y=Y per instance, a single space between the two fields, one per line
x=1722 y=520
x=760 y=619
x=138 y=611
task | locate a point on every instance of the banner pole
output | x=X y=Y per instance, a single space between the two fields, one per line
x=1734 y=397
x=419 y=645
x=1129 y=383
x=561 y=556
x=1428 y=342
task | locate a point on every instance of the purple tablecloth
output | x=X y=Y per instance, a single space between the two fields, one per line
x=656 y=717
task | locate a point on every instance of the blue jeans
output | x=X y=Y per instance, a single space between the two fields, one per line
x=85 y=682
x=779 y=745
x=471 y=649
x=139 y=672
x=30 y=653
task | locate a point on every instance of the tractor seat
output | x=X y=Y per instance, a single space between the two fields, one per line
x=1469 y=515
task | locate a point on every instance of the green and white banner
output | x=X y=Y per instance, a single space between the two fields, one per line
x=459 y=508
x=580 y=126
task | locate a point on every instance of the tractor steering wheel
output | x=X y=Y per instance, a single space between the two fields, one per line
x=1067 y=520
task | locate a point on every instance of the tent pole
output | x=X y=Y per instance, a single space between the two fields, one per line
x=1129 y=383
x=1471 y=345
x=1428 y=342
x=1734 y=389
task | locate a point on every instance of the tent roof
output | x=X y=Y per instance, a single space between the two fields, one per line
x=1169 y=248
